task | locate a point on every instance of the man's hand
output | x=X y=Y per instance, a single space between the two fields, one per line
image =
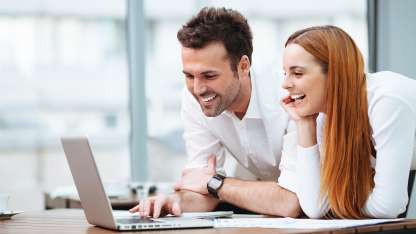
x=159 y=206
x=196 y=179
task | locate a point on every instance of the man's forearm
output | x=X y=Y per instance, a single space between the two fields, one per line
x=260 y=197
x=195 y=202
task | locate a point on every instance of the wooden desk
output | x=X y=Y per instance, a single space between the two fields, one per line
x=73 y=221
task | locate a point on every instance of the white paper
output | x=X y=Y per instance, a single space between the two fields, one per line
x=296 y=223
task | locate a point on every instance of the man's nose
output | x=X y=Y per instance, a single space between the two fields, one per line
x=199 y=86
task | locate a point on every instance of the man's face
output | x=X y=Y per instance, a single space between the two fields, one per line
x=209 y=78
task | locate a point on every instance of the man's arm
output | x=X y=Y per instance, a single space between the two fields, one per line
x=265 y=197
x=175 y=203
x=195 y=202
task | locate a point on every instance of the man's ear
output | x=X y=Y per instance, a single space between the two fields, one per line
x=244 y=66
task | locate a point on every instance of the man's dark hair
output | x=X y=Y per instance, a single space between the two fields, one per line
x=219 y=25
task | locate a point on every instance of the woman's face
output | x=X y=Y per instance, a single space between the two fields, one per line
x=304 y=79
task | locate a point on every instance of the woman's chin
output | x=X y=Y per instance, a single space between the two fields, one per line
x=305 y=113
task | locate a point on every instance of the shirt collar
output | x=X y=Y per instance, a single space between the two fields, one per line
x=253 y=105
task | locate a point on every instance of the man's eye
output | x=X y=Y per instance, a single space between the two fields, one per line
x=298 y=74
x=189 y=77
x=210 y=77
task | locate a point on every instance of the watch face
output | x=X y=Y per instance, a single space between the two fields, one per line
x=214 y=183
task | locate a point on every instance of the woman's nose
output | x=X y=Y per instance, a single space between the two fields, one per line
x=287 y=83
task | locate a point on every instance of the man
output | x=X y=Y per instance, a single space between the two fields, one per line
x=226 y=111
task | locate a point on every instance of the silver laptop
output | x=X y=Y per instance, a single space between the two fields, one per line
x=97 y=207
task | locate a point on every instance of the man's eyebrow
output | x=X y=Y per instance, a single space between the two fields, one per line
x=187 y=73
x=202 y=73
x=208 y=72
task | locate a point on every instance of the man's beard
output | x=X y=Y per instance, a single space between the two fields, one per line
x=225 y=101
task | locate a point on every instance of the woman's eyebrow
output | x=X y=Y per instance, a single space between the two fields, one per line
x=296 y=67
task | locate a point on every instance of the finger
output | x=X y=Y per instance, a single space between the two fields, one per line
x=157 y=207
x=212 y=161
x=287 y=100
x=186 y=171
x=141 y=208
x=287 y=103
x=134 y=209
x=147 y=208
x=176 y=209
x=177 y=186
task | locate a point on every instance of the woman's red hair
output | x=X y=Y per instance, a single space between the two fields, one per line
x=346 y=173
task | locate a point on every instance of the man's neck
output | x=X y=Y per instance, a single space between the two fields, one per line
x=243 y=99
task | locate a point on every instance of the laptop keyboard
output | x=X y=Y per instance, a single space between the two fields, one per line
x=136 y=220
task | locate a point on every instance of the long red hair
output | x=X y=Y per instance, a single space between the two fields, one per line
x=346 y=173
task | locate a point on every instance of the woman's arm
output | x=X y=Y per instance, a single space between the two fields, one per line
x=306 y=163
x=393 y=123
x=308 y=171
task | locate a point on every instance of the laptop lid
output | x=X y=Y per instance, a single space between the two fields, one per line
x=97 y=207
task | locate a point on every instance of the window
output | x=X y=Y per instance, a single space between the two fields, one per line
x=63 y=72
x=271 y=23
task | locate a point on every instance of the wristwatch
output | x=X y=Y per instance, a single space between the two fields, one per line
x=214 y=184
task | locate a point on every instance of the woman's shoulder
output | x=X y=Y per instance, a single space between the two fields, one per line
x=387 y=86
x=389 y=80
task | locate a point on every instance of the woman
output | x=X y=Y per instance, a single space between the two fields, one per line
x=356 y=131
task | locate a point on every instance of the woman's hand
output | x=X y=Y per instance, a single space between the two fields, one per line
x=288 y=104
x=306 y=125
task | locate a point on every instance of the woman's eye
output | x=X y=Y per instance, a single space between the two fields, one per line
x=297 y=74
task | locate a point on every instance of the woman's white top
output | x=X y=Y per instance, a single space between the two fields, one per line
x=392 y=115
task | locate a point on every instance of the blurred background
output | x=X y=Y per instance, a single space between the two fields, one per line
x=64 y=70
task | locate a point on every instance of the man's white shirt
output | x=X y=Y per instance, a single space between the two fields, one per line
x=255 y=141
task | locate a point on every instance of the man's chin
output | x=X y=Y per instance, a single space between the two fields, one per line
x=210 y=113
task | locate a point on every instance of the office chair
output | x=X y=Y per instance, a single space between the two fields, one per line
x=410 y=212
